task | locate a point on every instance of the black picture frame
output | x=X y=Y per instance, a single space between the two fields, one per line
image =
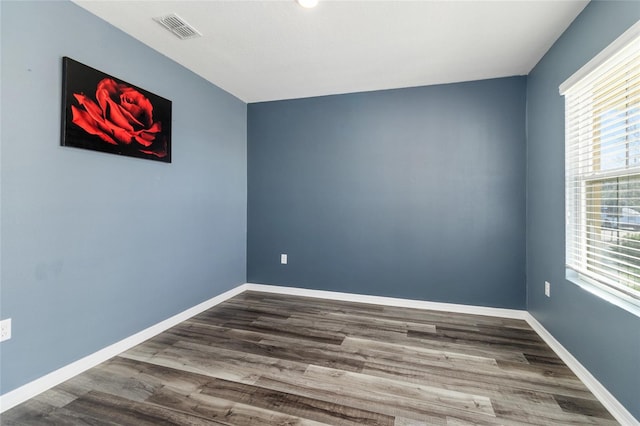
x=104 y=113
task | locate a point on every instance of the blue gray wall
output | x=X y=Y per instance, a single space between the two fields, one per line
x=96 y=247
x=415 y=193
x=604 y=338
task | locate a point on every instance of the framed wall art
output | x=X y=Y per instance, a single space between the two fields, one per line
x=104 y=113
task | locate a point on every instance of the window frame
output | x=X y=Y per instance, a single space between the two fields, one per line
x=577 y=192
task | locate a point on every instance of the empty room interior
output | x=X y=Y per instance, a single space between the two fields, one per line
x=353 y=212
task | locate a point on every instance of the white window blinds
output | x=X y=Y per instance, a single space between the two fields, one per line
x=602 y=127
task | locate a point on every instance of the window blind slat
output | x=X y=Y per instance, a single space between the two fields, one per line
x=602 y=126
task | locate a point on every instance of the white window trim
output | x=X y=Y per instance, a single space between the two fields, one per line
x=610 y=294
x=607 y=293
x=600 y=58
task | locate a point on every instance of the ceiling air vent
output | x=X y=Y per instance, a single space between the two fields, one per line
x=177 y=26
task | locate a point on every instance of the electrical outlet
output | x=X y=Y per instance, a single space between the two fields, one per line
x=5 y=330
x=547 y=288
x=283 y=258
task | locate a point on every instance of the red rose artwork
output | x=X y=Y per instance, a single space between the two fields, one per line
x=120 y=119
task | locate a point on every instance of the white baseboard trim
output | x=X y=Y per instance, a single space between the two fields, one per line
x=617 y=410
x=390 y=301
x=31 y=389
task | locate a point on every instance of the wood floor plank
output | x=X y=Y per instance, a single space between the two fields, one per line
x=480 y=383
x=220 y=363
x=302 y=333
x=393 y=399
x=485 y=378
x=476 y=341
x=418 y=354
x=523 y=414
x=272 y=359
x=225 y=411
x=103 y=406
x=451 y=349
x=309 y=408
x=28 y=413
x=216 y=336
x=585 y=406
x=361 y=400
x=412 y=395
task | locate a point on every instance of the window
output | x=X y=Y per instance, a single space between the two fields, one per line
x=602 y=186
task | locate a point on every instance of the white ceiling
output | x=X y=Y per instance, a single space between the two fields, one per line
x=275 y=49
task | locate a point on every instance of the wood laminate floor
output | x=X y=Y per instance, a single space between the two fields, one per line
x=267 y=359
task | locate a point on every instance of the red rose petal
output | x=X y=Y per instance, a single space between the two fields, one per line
x=109 y=85
x=156 y=128
x=121 y=135
x=89 y=125
x=144 y=139
x=114 y=114
x=133 y=97
x=106 y=88
x=157 y=154
x=159 y=150
x=129 y=116
x=135 y=111
x=107 y=93
x=91 y=107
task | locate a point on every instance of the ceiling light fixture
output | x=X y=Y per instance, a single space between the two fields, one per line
x=308 y=3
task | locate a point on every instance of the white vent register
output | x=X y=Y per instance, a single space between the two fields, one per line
x=178 y=26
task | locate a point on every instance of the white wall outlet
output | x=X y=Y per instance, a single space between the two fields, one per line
x=5 y=330
x=283 y=258
x=547 y=288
